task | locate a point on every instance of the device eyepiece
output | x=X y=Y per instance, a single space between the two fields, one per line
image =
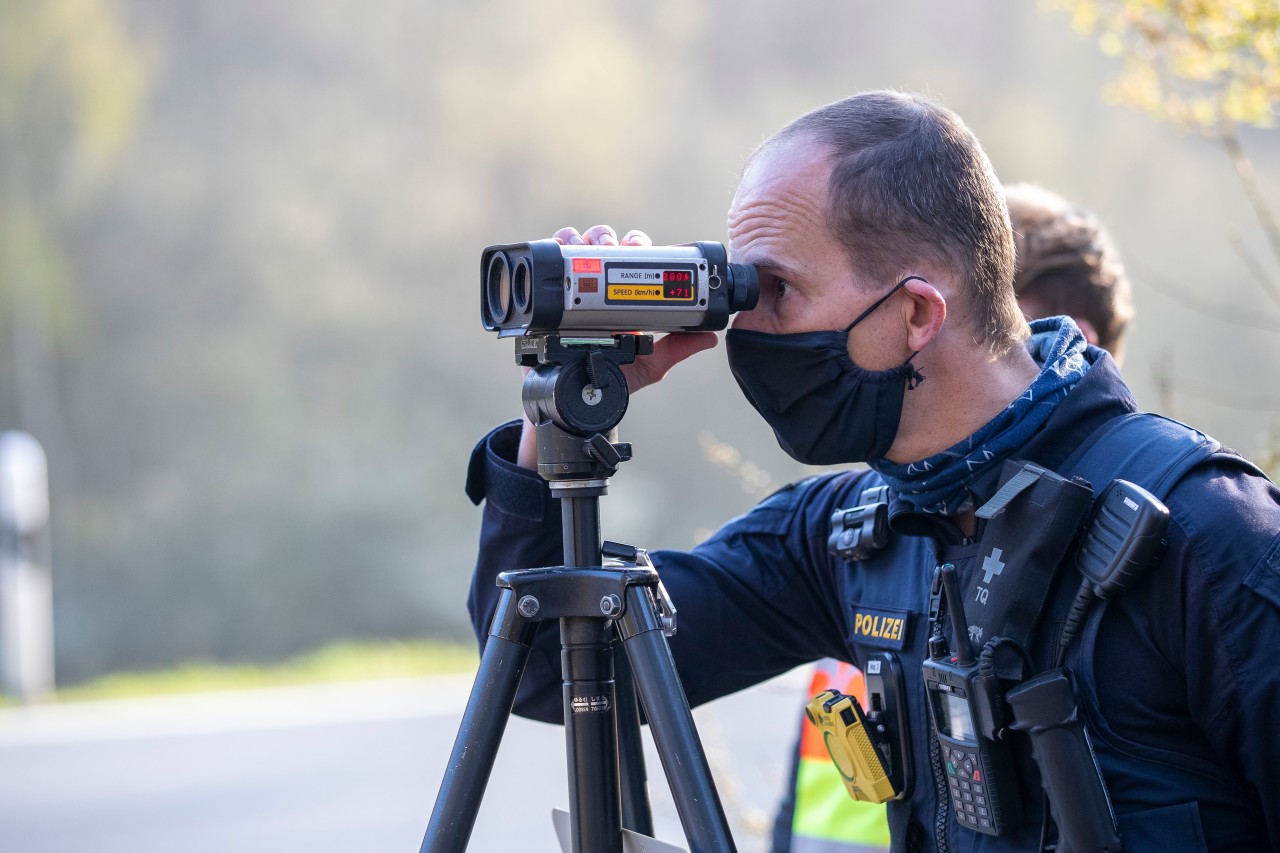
x=744 y=286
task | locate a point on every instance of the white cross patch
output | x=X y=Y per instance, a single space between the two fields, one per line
x=991 y=566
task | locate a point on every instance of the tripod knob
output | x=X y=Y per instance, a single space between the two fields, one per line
x=611 y=455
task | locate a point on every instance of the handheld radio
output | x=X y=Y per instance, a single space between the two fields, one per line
x=979 y=767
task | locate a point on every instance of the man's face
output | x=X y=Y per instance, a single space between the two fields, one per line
x=778 y=222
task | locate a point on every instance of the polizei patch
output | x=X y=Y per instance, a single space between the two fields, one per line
x=886 y=629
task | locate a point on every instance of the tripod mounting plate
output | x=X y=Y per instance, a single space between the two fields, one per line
x=533 y=350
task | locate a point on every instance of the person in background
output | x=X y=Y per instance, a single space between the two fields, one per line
x=1066 y=263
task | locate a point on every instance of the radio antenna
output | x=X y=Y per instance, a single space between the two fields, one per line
x=955 y=608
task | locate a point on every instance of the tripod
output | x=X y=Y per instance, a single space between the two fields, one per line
x=576 y=394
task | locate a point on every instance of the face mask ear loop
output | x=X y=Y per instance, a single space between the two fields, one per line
x=914 y=377
x=881 y=300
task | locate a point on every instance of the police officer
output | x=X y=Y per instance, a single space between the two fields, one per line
x=1066 y=263
x=888 y=332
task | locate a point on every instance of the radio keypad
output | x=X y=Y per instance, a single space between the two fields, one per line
x=968 y=791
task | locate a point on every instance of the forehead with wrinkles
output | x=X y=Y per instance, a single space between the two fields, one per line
x=783 y=190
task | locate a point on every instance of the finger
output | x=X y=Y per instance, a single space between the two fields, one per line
x=567 y=235
x=600 y=235
x=667 y=353
x=636 y=238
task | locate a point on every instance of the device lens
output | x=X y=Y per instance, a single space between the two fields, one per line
x=497 y=288
x=520 y=286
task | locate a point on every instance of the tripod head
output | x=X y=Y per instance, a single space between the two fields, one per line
x=575 y=395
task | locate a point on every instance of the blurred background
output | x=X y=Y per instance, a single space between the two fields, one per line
x=239 y=245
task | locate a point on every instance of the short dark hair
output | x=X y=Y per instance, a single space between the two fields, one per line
x=909 y=181
x=1068 y=263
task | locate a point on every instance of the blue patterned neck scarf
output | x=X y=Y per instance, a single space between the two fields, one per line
x=939 y=484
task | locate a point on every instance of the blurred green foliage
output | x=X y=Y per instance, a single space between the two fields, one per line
x=336 y=662
x=71 y=84
x=1193 y=62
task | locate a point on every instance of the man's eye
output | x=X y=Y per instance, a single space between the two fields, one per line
x=781 y=288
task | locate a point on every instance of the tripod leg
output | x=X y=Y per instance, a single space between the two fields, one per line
x=671 y=723
x=485 y=719
x=637 y=814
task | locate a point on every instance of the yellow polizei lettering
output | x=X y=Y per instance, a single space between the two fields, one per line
x=880 y=627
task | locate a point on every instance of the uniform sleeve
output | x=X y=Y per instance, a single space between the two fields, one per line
x=1189 y=676
x=520 y=530
x=752 y=602
x=758 y=598
x=1233 y=639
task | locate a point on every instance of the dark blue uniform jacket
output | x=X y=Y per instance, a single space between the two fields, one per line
x=1180 y=675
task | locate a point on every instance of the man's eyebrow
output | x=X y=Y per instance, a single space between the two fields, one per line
x=775 y=267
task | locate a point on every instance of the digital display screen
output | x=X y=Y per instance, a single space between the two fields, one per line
x=951 y=714
x=677 y=284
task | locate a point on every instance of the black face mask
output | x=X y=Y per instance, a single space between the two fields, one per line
x=823 y=408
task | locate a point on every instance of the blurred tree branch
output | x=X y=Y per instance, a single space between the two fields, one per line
x=1207 y=66
x=1208 y=306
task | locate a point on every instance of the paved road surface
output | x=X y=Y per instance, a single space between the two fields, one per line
x=329 y=769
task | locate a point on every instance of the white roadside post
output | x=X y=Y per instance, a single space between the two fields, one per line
x=26 y=588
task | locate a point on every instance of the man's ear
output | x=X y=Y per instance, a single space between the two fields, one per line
x=927 y=310
x=1090 y=333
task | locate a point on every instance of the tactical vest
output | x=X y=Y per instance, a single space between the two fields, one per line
x=885 y=609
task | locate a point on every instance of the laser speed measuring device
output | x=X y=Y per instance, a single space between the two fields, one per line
x=543 y=287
